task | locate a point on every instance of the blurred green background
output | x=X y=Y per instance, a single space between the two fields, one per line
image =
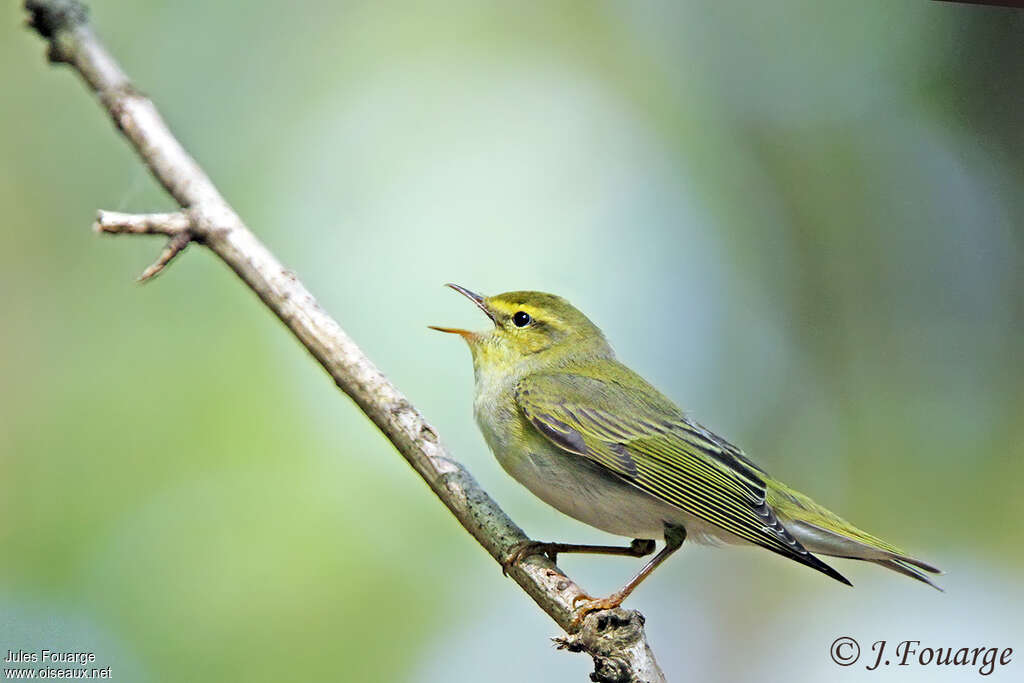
x=801 y=220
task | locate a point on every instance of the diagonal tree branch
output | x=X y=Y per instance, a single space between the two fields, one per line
x=614 y=638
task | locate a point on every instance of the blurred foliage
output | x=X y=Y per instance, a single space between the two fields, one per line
x=802 y=220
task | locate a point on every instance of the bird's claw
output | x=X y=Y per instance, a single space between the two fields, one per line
x=523 y=550
x=591 y=604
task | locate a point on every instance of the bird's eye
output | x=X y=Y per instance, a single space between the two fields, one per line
x=521 y=319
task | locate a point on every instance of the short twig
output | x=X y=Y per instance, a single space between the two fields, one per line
x=177 y=225
x=117 y=223
x=175 y=246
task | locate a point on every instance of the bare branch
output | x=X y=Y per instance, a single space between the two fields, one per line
x=117 y=223
x=177 y=225
x=175 y=246
x=614 y=638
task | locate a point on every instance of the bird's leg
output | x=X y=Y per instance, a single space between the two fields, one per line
x=674 y=537
x=638 y=548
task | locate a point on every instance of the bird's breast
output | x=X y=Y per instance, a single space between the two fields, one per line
x=572 y=484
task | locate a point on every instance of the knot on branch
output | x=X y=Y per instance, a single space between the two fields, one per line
x=615 y=639
x=48 y=17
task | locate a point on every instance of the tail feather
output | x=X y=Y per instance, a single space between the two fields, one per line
x=918 y=563
x=834 y=544
x=823 y=532
x=903 y=567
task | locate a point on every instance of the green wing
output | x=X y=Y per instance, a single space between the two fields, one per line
x=621 y=422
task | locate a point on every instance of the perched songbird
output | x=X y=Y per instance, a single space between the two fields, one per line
x=590 y=437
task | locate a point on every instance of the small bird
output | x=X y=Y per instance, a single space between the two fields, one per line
x=591 y=438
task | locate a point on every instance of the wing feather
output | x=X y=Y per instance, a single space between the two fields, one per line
x=645 y=440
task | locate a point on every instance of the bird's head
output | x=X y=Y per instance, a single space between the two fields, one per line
x=531 y=330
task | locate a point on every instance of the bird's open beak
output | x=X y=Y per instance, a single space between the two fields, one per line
x=475 y=298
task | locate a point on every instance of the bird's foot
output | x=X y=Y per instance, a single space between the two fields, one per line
x=523 y=550
x=640 y=547
x=591 y=604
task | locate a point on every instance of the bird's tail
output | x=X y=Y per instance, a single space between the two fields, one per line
x=822 y=531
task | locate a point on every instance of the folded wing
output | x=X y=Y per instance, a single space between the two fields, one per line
x=640 y=436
